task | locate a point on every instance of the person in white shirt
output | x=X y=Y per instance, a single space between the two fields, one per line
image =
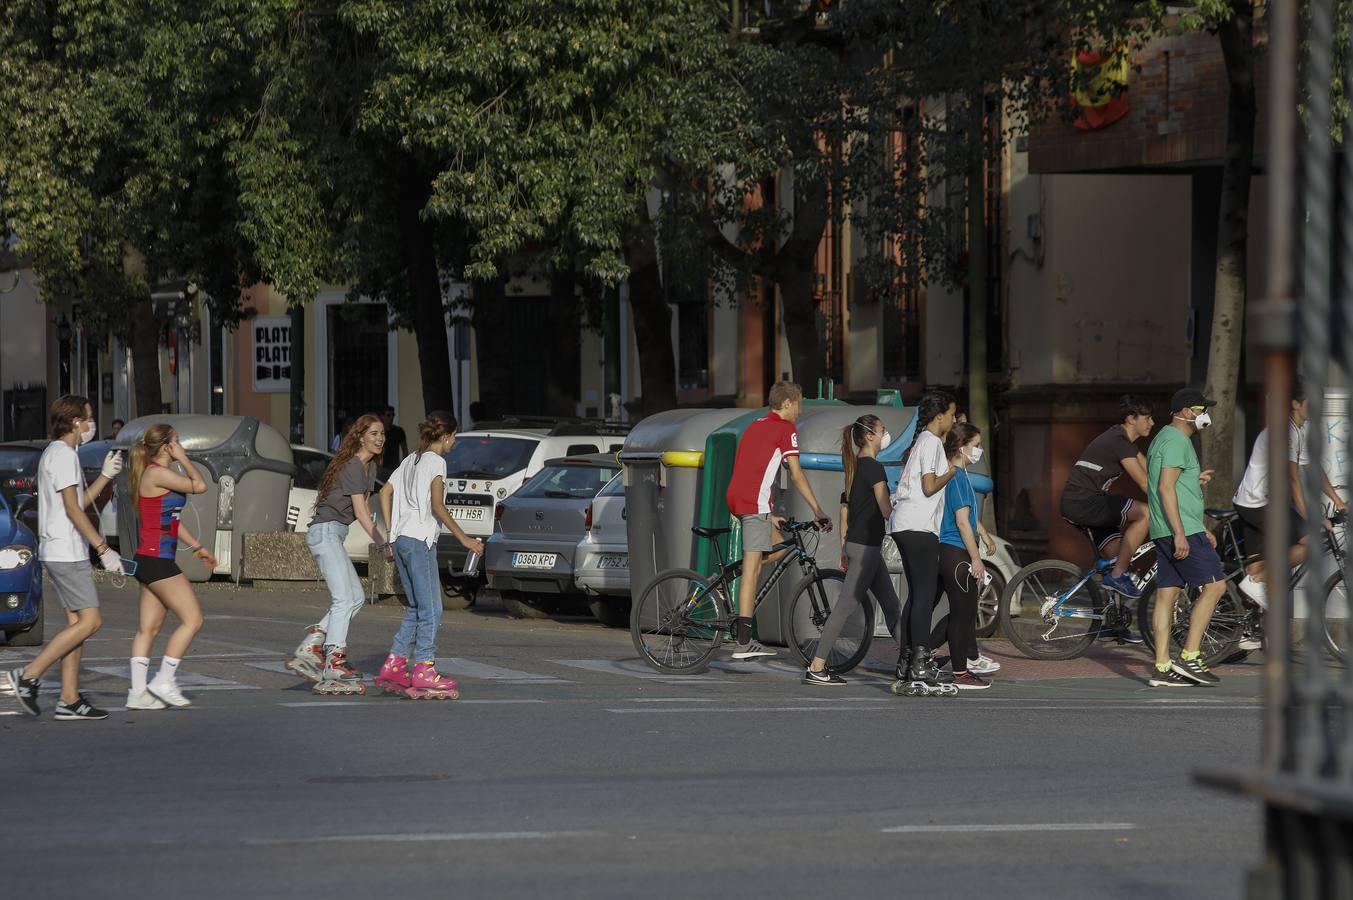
x=1251 y=498
x=918 y=508
x=413 y=502
x=66 y=533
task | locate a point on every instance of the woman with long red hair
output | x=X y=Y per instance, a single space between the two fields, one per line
x=343 y=491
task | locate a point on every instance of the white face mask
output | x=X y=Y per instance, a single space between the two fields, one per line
x=974 y=455
x=88 y=434
x=887 y=439
x=1200 y=421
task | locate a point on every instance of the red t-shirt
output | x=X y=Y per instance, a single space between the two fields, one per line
x=765 y=444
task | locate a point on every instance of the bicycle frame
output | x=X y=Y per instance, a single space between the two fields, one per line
x=729 y=572
x=1099 y=568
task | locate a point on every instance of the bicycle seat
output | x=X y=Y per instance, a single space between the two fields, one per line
x=710 y=532
x=1222 y=515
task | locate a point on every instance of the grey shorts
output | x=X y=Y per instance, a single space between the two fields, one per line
x=757 y=533
x=74 y=583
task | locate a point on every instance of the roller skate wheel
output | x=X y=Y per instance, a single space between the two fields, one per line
x=898 y=687
x=949 y=690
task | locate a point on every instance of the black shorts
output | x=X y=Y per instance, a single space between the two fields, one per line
x=1101 y=516
x=1252 y=517
x=150 y=569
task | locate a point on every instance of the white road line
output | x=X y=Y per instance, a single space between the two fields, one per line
x=741 y=709
x=193 y=681
x=676 y=700
x=1043 y=826
x=494 y=702
x=336 y=703
x=423 y=838
x=11 y=712
x=340 y=702
x=467 y=668
x=630 y=668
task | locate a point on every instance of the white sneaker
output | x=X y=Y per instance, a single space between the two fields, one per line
x=1255 y=590
x=983 y=665
x=143 y=699
x=168 y=692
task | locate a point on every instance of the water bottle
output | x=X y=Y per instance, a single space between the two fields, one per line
x=471 y=565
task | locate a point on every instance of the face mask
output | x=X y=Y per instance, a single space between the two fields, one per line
x=974 y=455
x=88 y=434
x=887 y=439
x=1203 y=420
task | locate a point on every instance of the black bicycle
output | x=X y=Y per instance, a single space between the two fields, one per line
x=682 y=616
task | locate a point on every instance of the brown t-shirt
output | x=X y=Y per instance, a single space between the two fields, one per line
x=336 y=506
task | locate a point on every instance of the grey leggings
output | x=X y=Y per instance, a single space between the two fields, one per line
x=866 y=573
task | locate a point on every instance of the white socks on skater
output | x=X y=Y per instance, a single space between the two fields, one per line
x=169 y=667
x=140 y=669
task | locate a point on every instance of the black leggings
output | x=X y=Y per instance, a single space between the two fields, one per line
x=920 y=552
x=962 y=588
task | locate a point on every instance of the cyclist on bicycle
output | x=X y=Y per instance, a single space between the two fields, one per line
x=1116 y=524
x=767 y=443
x=1186 y=552
x=1251 y=498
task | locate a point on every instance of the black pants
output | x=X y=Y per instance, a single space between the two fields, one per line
x=962 y=588
x=920 y=560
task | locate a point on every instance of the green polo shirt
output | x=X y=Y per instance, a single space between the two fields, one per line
x=1173 y=450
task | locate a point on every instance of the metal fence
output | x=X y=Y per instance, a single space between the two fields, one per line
x=1305 y=779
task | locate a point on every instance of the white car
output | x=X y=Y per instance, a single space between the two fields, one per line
x=488 y=464
x=310 y=466
x=601 y=564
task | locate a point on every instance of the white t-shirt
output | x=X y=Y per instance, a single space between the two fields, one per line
x=1253 y=490
x=411 y=508
x=912 y=509
x=58 y=538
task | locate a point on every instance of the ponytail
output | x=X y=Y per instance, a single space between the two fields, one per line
x=852 y=439
x=436 y=426
x=933 y=405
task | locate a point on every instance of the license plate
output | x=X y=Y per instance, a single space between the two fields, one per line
x=534 y=560
x=468 y=514
x=615 y=561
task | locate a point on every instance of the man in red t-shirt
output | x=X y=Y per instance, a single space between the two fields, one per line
x=767 y=443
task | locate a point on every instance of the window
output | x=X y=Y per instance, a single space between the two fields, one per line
x=693 y=343
x=310 y=468
x=581 y=449
x=615 y=488
x=488 y=457
x=567 y=482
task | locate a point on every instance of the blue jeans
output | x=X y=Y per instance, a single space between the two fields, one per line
x=416 y=563
x=325 y=541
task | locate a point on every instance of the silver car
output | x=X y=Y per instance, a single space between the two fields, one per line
x=602 y=560
x=529 y=557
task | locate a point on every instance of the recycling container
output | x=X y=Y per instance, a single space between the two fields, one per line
x=248 y=469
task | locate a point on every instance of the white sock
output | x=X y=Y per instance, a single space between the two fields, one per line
x=169 y=667
x=140 y=669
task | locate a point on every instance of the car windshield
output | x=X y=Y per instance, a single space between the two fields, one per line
x=614 y=488
x=567 y=482
x=310 y=466
x=491 y=457
x=19 y=460
x=92 y=454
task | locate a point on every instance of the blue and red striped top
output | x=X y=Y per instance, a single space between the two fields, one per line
x=160 y=524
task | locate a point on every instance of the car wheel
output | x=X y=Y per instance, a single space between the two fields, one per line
x=30 y=637
x=521 y=605
x=613 y=612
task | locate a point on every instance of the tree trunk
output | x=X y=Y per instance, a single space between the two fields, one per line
x=978 y=265
x=793 y=271
x=417 y=239
x=1228 y=316
x=652 y=318
x=491 y=331
x=145 y=350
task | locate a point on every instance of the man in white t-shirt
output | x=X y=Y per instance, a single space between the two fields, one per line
x=1251 y=498
x=65 y=534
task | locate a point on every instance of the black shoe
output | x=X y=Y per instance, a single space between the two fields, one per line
x=1168 y=678
x=80 y=710
x=1195 y=671
x=25 y=691
x=826 y=676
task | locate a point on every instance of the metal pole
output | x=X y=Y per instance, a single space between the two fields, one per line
x=1344 y=475
x=1273 y=326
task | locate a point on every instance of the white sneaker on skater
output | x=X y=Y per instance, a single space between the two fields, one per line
x=143 y=699
x=1255 y=590
x=168 y=692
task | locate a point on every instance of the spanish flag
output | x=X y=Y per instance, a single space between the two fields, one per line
x=1099 y=88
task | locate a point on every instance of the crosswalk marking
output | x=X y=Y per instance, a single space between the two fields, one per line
x=193 y=680
x=468 y=668
x=630 y=668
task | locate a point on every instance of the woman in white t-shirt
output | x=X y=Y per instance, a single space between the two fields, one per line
x=413 y=502
x=918 y=508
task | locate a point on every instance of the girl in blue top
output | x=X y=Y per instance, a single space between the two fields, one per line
x=962 y=572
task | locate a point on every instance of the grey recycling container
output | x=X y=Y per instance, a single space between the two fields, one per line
x=663 y=471
x=248 y=469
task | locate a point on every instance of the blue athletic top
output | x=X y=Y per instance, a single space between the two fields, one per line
x=958 y=493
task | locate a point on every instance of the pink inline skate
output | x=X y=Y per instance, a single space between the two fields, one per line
x=428 y=684
x=394 y=676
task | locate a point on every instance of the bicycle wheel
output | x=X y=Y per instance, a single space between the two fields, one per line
x=802 y=619
x=679 y=621
x=1049 y=610
x=1223 y=632
x=1337 y=634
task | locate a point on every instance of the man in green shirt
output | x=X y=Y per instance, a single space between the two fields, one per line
x=1186 y=552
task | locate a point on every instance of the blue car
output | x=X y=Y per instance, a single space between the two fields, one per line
x=20 y=581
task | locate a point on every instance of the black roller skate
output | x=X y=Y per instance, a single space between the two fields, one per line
x=924 y=678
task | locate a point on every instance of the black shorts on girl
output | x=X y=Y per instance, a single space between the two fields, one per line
x=150 y=569
x=1202 y=565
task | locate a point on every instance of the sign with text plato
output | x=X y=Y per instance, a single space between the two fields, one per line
x=272 y=353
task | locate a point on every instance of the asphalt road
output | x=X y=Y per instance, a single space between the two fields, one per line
x=568 y=769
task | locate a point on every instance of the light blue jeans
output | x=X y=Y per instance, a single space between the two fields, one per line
x=325 y=541
x=416 y=563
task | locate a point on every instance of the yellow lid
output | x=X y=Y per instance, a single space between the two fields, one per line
x=683 y=459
